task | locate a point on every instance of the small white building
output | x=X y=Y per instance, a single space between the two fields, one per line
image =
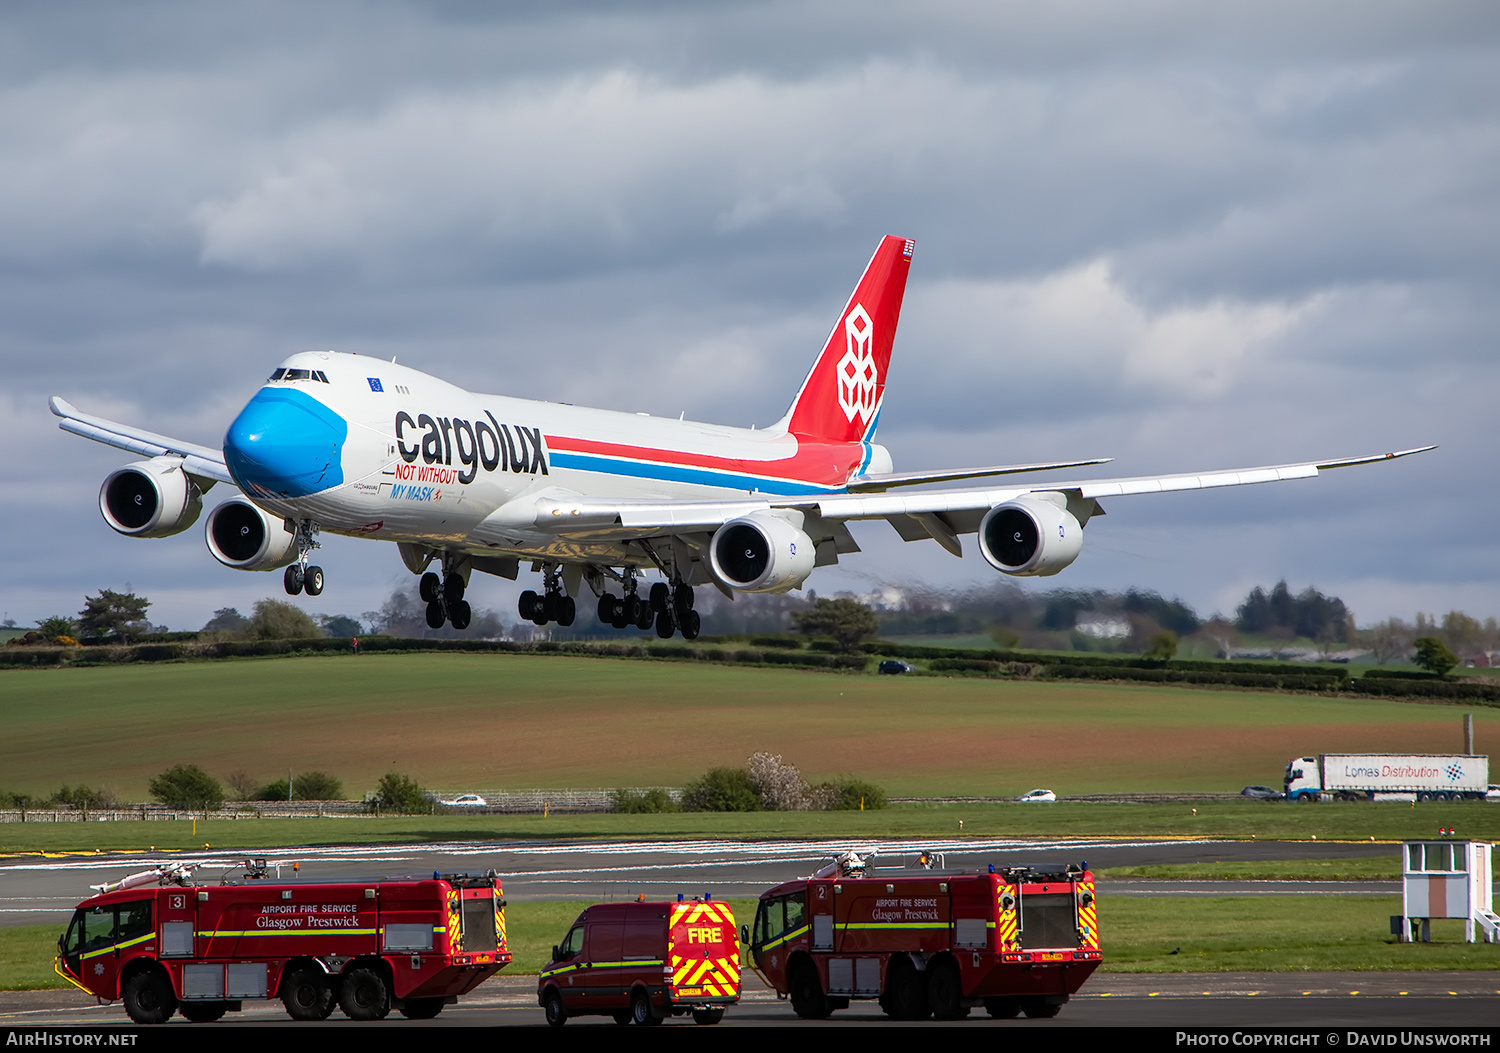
x=1446 y=879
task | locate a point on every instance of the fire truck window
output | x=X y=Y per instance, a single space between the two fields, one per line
x=794 y=915
x=573 y=944
x=763 y=921
x=99 y=928
x=72 y=942
x=135 y=919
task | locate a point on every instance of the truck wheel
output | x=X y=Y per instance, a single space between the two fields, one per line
x=422 y=1008
x=908 y=992
x=707 y=1016
x=557 y=1016
x=640 y=1011
x=1003 y=1008
x=202 y=1012
x=621 y=1016
x=306 y=995
x=808 y=1000
x=1040 y=1008
x=945 y=992
x=149 y=998
x=364 y=996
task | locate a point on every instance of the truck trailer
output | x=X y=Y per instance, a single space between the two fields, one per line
x=925 y=941
x=202 y=949
x=1368 y=776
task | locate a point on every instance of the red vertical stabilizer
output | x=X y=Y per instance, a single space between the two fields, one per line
x=841 y=397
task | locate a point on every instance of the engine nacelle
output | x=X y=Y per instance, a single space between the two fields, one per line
x=1030 y=537
x=154 y=498
x=760 y=552
x=241 y=536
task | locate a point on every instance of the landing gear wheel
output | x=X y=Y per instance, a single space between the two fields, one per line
x=945 y=992
x=1040 y=1008
x=664 y=626
x=641 y=1012
x=808 y=1000
x=202 y=1012
x=661 y=594
x=421 y=1008
x=528 y=604
x=691 y=625
x=306 y=995
x=567 y=611
x=436 y=616
x=707 y=1016
x=682 y=598
x=459 y=615
x=453 y=587
x=291 y=580
x=549 y=607
x=365 y=996
x=1003 y=1008
x=648 y=616
x=312 y=581
x=557 y=1016
x=429 y=587
x=632 y=609
x=149 y=998
x=606 y=609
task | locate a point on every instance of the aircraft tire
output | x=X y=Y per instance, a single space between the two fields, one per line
x=527 y=606
x=567 y=611
x=436 y=616
x=312 y=581
x=692 y=624
x=664 y=626
x=429 y=587
x=632 y=606
x=606 y=609
x=453 y=587
x=461 y=614
x=648 y=616
x=682 y=598
x=549 y=608
x=291 y=580
x=660 y=593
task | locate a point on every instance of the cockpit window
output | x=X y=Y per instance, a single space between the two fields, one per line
x=279 y=373
x=297 y=374
x=319 y=375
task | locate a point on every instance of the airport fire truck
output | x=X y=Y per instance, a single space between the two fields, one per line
x=926 y=941
x=367 y=947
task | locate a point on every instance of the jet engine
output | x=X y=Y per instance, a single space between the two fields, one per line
x=152 y=498
x=1030 y=537
x=241 y=536
x=761 y=552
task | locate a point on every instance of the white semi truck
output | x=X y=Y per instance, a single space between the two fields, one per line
x=1368 y=776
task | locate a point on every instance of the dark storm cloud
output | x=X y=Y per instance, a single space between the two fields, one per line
x=1185 y=235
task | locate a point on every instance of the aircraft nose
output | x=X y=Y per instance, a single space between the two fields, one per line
x=285 y=443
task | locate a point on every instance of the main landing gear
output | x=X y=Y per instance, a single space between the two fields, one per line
x=668 y=607
x=445 y=600
x=553 y=605
x=299 y=575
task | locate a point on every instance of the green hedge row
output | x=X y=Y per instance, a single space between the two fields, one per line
x=1266 y=681
x=1401 y=687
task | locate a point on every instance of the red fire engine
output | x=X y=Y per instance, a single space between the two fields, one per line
x=368 y=947
x=928 y=941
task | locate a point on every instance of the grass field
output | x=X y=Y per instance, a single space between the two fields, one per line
x=455 y=721
x=1242 y=820
x=1218 y=934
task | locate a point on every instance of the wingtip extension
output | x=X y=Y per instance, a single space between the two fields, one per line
x=60 y=407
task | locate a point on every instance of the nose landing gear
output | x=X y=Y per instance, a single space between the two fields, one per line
x=299 y=575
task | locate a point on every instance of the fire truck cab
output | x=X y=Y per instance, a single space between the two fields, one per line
x=642 y=962
x=927 y=941
x=366 y=947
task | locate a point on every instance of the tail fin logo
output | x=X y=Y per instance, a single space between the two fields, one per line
x=858 y=377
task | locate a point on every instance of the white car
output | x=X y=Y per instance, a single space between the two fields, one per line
x=467 y=800
x=1037 y=795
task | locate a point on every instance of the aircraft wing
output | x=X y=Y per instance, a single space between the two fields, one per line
x=939 y=514
x=200 y=461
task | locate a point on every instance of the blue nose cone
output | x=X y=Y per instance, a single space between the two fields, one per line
x=285 y=443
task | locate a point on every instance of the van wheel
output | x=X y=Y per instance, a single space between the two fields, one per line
x=621 y=1016
x=707 y=1016
x=149 y=998
x=202 y=1012
x=557 y=1016
x=640 y=1011
x=808 y=1000
x=422 y=1008
x=945 y=992
x=306 y=995
x=364 y=996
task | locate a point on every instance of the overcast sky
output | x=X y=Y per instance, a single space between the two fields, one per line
x=1183 y=235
